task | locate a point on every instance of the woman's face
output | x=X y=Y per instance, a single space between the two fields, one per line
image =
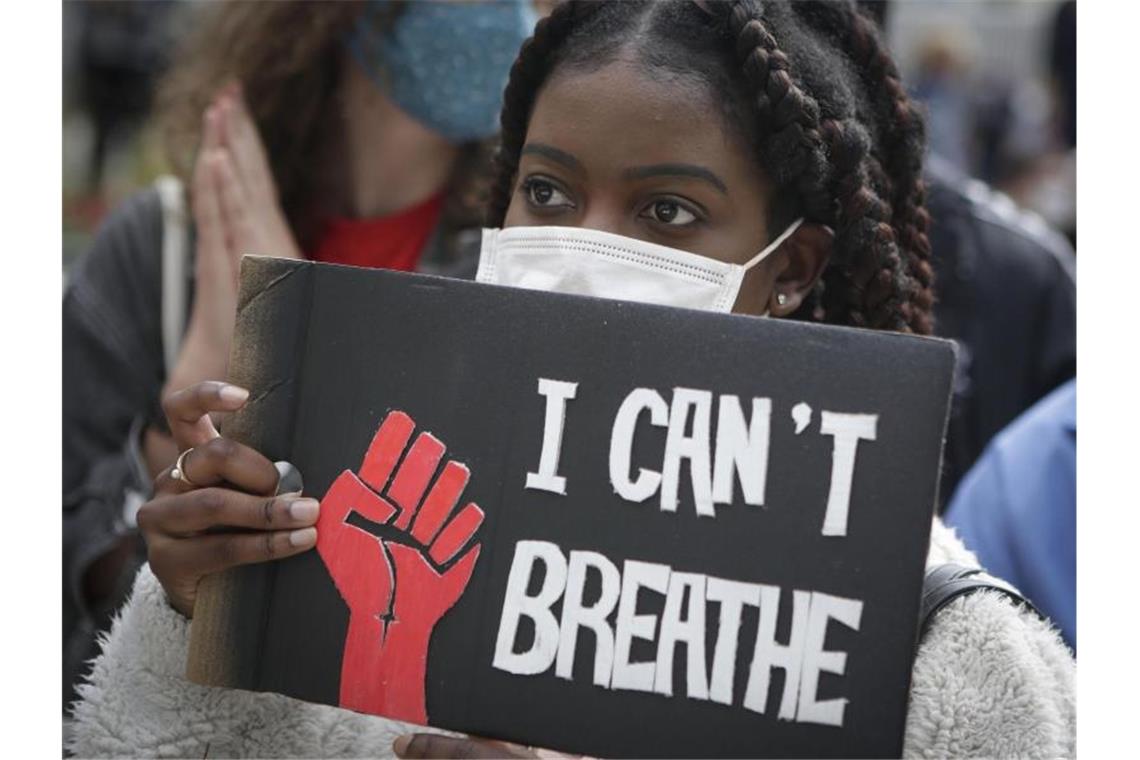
x=648 y=158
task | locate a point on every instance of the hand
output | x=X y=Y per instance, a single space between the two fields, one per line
x=205 y=349
x=250 y=205
x=399 y=580
x=236 y=212
x=230 y=515
x=439 y=746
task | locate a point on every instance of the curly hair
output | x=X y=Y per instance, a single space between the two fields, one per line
x=289 y=56
x=812 y=87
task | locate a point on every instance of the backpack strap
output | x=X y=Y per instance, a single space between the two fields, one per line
x=175 y=265
x=945 y=583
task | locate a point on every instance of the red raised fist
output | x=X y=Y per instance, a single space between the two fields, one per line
x=399 y=575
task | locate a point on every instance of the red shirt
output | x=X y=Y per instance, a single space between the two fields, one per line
x=395 y=241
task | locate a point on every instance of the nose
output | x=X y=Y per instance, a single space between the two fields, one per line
x=607 y=217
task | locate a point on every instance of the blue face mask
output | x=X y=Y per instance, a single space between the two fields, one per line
x=445 y=64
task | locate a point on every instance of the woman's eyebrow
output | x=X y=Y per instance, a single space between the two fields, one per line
x=554 y=154
x=676 y=170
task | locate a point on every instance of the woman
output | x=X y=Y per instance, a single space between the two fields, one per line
x=344 y=132
x=710 y=128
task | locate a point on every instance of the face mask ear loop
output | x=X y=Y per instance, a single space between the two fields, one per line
x=791 y=230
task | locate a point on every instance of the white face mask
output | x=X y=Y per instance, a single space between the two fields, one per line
x=593 y=263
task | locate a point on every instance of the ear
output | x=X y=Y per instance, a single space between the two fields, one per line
x=799 y=264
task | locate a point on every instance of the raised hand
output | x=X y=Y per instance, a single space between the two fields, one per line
x=251 y=209
x=206 y=347
x=236 y=212
x=390 y=543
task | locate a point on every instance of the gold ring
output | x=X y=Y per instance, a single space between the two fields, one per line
x=179 y=470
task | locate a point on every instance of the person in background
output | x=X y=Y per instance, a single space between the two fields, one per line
x=1016 y=509
x=353 y=133
x=1049 y=189
x=1040 y=145
x=943 y=86
x=120 y=48
x=1063 y=68
x=1006 y=293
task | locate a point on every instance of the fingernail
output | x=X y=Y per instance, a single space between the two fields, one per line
x=303 y=538
x=304 y=510
x=232 y=394
x=401 y=744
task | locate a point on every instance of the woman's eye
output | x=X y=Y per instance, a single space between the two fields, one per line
x=671 y=213
x=542 y=193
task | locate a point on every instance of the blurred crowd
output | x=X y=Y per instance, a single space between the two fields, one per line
x=996 y=80
x=999 y=80
x=113 y=55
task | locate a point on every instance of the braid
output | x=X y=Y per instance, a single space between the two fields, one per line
x=789 y=118
x=904 y=137
x=528 y=72
x=863 y=285
x=868 y=290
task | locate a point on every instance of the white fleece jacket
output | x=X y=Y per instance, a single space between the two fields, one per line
x=990 y=680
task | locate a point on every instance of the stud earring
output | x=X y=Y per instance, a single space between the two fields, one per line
x=781 y=299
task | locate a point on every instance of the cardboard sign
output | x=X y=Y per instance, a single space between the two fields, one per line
x=589 y=525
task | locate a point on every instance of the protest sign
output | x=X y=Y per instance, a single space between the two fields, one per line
x=596 y=526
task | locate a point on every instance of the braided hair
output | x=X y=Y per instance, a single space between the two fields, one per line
x=811 y=86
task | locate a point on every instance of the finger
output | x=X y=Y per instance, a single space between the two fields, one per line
x=233 y=216
x=213 y=553
x=442 y=498
x=415 y=473
x=211 y=128
x=385 y=450
x=234 y=204
x=439 y=746
x=457 y=533
x=222 y=460
x=187 y=411
x=207 y=211
x=206 y=508
x=225 y=125
x=249 y=151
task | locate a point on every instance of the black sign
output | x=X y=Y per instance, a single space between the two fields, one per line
x=583 y=524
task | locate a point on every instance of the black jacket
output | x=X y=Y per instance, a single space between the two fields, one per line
x=1006 y=292
x=112 y=375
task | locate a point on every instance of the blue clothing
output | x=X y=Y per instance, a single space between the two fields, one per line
x=1017 y=507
